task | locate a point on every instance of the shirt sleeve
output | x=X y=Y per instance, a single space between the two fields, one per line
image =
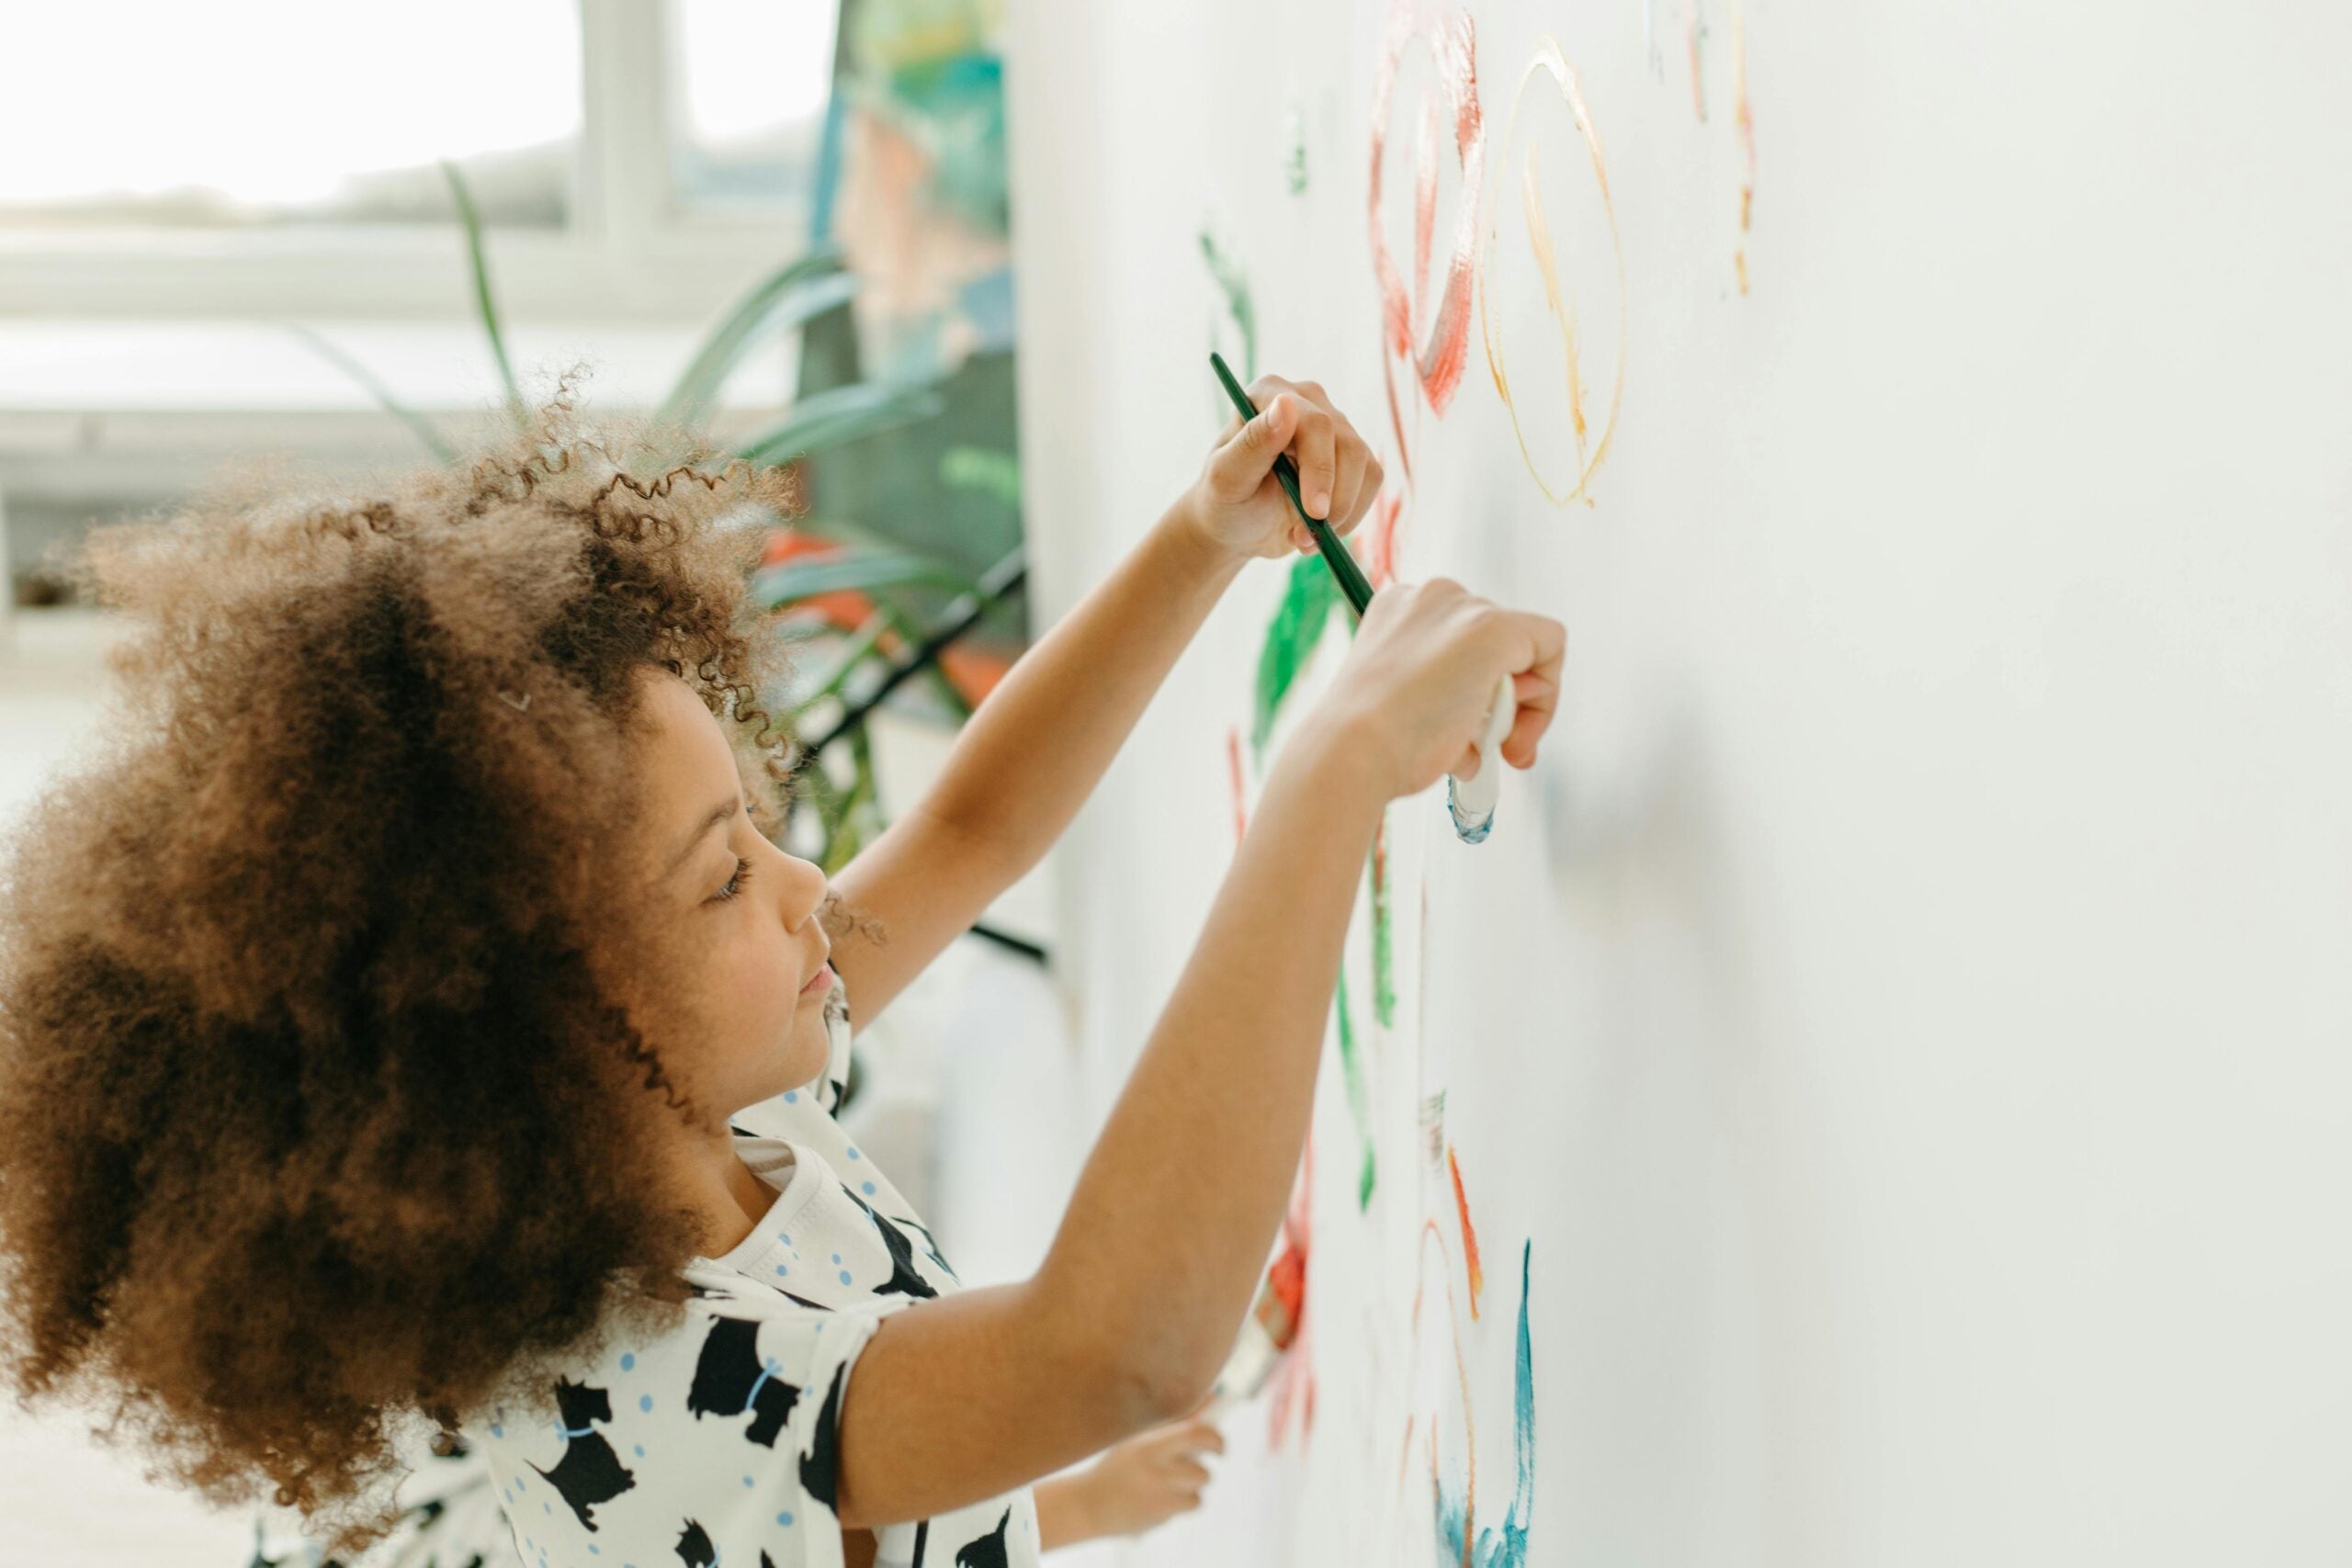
x=719 y=1444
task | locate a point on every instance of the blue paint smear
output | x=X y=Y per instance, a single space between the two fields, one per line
x=1505 y=1547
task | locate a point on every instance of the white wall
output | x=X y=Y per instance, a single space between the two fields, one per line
x=1905 y=1009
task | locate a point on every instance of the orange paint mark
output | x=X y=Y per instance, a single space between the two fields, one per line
x=1294 y=1386
x=1435 y=343
x=1746 y=122
x=1539 y=239
x=1469 y=1237
x=1548 y=58
x=1380 y=541
x=1462 y=1370
x=1233 y=758
x=1424 y=197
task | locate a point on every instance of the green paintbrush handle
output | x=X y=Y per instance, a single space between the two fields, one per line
x=1335 y=554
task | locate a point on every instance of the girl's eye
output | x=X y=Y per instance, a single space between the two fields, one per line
x=735 y=883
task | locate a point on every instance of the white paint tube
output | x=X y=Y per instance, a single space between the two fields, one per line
x=1471 y=801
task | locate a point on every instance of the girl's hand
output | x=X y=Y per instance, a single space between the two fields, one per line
x=1238 y=505
x=1150 y=1478
x=1419 y=672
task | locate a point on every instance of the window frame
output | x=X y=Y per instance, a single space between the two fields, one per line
x=630 y=253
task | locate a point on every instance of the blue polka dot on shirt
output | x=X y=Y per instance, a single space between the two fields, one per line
x=792 y=1097
x=783 y=1518
x=869 y=1188
x=844 y=1276
x=747 y=1481
x=628 y=1360
x=854 y=1154
x=640 y=1450
x=645 y=1402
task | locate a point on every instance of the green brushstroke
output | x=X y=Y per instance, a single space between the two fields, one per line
x=1295 y=161
x=1384 y=991
x=1351 y=1074
x=1235 y=285
x=1309 y=598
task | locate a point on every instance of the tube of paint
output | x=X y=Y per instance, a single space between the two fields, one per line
x=1471 y=801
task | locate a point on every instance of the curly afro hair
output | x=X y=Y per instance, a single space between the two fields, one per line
x=320 y=1118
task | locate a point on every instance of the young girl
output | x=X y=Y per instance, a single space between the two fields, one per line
x=409 y=1021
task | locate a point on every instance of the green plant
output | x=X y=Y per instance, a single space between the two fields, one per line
x=855 y=566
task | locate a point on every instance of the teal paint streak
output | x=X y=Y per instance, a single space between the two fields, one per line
x=1449 y=1525
x=1510 y=1550
x=1503 y=1547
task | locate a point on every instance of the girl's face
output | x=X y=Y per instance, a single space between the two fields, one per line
x=740 y=913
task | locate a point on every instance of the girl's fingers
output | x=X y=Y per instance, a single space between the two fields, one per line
x=1348 y=452
x=1238 y=467
x=1190 y=1438
x=1315 y=444
x=1538 y=695
x=1344 y=487
x=1368 y=481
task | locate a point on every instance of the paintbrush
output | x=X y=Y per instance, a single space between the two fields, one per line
x=1266 y=1334
x=1469 y=802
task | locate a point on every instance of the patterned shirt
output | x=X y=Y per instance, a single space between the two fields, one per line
x=717 y=1445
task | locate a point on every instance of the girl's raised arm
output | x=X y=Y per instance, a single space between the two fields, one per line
x=1136 y=1305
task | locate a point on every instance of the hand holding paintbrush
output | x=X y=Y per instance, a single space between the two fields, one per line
x=1473 y=788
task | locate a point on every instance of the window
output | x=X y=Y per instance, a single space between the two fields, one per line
x=281 y=112
x=633 y=161
x=751 y=81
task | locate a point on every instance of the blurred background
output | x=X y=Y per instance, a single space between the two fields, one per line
x=352 y=237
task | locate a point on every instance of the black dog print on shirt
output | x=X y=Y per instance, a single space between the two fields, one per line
x=903 y=1280
x=820 y=1468
x=728 y=1380
x=989 y=1551
x=589 y=1473
x=694 y=1548
x=931 y=1245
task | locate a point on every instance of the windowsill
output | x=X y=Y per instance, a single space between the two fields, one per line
x=82 y=367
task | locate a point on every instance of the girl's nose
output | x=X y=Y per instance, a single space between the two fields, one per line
x=804 y=886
